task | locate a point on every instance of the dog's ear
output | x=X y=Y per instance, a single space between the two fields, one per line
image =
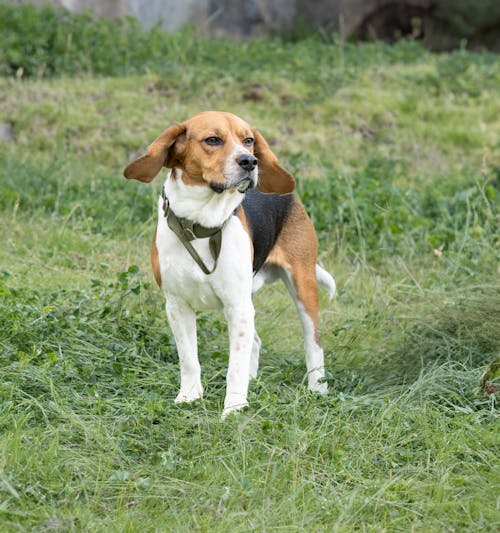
x=272 y=176
x=162 y=152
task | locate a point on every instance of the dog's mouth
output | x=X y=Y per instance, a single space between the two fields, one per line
x=241 y=186
x=244 y=185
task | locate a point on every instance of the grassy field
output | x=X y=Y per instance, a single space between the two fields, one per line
x=397 y=156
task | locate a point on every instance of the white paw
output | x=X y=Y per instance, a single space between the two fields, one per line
x=320 y=387
x=228 y=409
x=189 y=395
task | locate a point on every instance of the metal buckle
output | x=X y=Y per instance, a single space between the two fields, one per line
x=166 y=204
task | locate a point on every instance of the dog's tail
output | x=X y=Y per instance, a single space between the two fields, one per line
x=326 y=281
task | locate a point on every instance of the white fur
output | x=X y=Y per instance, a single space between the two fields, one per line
x=254 y=358
x=188 y=289
x=233 y=172
x=267 y=274
x=326 y=281
x=199 y=203
x=315 y=359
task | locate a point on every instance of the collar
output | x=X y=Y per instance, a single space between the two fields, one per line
x=187 y=231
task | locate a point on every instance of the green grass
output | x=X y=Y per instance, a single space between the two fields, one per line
x=396 y=152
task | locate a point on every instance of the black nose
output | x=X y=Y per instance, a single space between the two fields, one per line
x=247 y=161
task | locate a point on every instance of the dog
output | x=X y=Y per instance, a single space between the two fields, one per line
x=228 y=222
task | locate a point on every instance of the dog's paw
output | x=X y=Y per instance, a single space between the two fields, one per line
x=321 y=387
x=189 y=395
x=229 y=409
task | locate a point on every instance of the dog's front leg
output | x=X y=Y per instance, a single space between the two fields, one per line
x=182 y=320
x=241 y=335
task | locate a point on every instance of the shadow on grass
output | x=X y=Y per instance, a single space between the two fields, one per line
x=463 y=330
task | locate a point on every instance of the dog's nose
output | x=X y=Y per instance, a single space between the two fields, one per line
x=247 y=162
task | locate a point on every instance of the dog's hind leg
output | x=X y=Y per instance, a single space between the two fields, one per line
x=302 y=285
x=294 y=257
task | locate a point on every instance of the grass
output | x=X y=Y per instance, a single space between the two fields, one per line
x=396 y=154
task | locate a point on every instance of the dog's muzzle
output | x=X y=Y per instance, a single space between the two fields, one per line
x=244 y=185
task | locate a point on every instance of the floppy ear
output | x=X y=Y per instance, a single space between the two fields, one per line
x=159 y=154
x=272 y=176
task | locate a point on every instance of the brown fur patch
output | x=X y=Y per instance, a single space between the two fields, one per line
x=296 y=250
x=155 y=261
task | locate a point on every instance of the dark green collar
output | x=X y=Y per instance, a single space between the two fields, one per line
x=187 y=230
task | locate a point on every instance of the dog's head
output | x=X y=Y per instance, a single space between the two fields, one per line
x=215 y=149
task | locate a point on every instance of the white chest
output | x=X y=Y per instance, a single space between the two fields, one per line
x=182 y=277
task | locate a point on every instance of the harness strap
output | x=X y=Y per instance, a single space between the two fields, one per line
x=187 y=230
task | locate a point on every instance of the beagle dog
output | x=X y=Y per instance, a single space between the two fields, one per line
x=227 y=224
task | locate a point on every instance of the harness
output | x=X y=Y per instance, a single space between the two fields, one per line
x=187 y=231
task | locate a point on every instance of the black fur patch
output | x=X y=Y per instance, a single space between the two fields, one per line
x=217 y=187
x=265 y=214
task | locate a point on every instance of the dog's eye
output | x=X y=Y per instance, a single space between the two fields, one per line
x=213 y=141
x=248 y=141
